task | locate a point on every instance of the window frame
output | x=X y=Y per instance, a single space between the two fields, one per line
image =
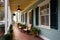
x=29 y=16
x=44 y=26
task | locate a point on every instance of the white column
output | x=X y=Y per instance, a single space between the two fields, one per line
x=39 y=17
x=17 y=17
x=27 y=18
x=6 y=12
x=34 y=17
x=20 y=17
x=9 y=17
x=19 y=14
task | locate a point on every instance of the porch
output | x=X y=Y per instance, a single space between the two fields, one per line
x=18 y=35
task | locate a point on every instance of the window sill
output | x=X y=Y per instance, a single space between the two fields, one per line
x=43 y=26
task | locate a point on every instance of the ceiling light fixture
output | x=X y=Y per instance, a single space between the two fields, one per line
x=19 y=8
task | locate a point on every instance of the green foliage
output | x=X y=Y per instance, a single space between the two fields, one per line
x=8 y=36
x=34 y=31
x=22 y=26
x=10 y=29
x=19 y=24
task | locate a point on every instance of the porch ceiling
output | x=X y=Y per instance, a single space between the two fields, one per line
x=23 y=4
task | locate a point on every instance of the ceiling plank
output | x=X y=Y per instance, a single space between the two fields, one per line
x=23 y=4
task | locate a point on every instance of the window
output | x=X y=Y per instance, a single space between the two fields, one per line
x=48 y=14
x=31 y=17
x=44 y=15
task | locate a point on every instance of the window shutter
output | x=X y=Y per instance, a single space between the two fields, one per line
x=37 y=13
x=26 y=18
x=54 y=14
x=32 y=17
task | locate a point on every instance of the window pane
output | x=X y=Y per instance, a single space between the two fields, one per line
x=47 y=5
x=41 y=12
x=47 y=20
x=42 y=20
x=47 y=10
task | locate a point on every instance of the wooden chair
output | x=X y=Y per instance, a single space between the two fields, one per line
x=27 y=29
x=19 y=25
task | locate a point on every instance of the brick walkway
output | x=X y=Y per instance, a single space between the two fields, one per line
x=18 y=35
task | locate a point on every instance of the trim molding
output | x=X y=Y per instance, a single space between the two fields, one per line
x=44 y=37
x=44 y=2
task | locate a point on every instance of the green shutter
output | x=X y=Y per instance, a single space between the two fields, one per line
x=37 y=16
x=54 y=14
x=26 y=18
x=32 y=18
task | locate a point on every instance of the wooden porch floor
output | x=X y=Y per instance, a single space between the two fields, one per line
x=18 y=35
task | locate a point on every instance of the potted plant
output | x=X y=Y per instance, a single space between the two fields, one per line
x=34 y=31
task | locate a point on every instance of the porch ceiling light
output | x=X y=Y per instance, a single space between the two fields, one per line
x=19 y=8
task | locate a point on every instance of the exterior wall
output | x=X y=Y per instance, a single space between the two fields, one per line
x=51 y=34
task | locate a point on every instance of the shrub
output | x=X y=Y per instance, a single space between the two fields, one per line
x=8 y=36
x=10 y=29
x=34 y=31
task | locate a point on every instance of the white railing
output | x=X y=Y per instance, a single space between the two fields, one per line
x=2 y=22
